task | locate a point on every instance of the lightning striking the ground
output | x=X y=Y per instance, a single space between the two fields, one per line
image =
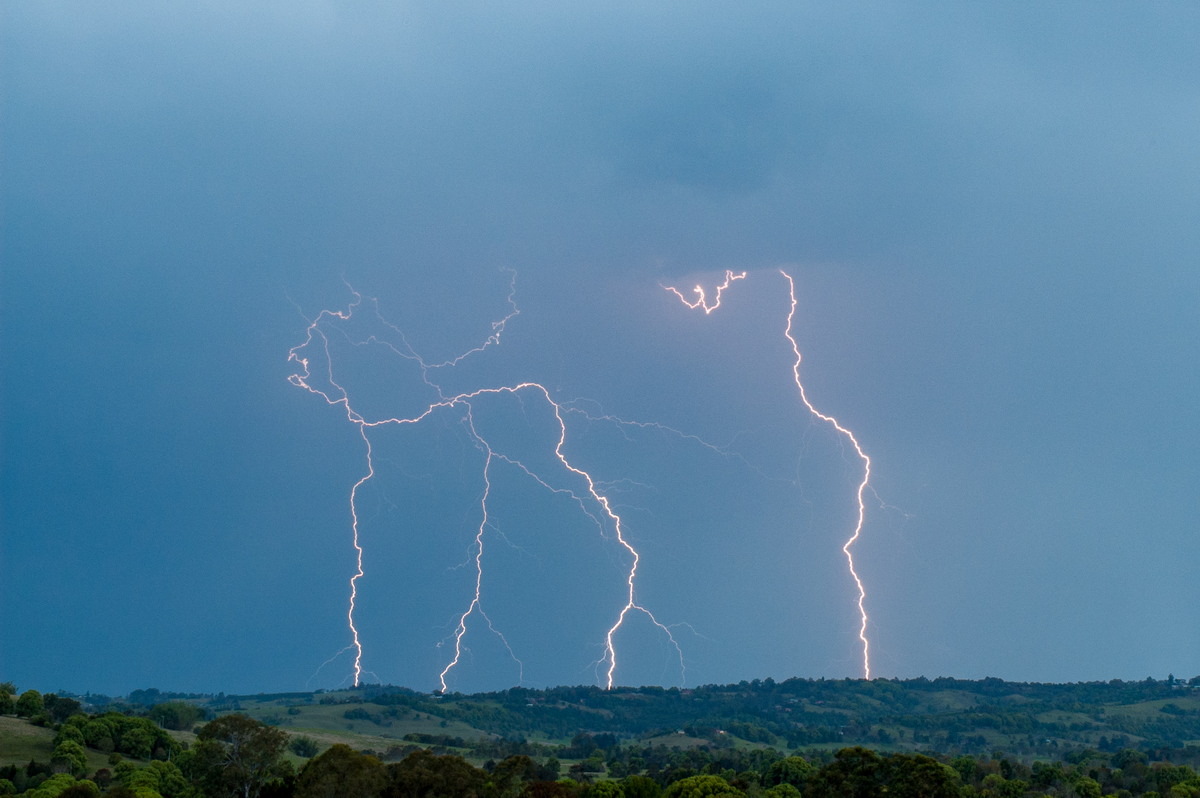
x=476 y=605
x=361 y=325
x=700 y=302
x=317 y=346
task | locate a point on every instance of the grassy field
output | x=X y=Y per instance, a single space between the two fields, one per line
x=370 y=726
x=21 y=741
x=1150 y=709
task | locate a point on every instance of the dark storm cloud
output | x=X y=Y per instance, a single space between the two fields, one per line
x=990 y=211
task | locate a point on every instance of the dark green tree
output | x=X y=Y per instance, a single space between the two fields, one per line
x=128 y=774
x=551 y=789
x=640 y=787
x=69 y=757
x=919 y=776
x=81 y=789
x=341 y=772
x=69 y=731
x=8 y=701
x=854 y=773
x=550 y=769
x=166 y=779
x=59 y=783
x=784 y=790
x=120 y=791
x=29 y=704
x=423 y=774
x=236 y=756
x=511 y=774
x=303 y=746
x=176 y=715
x=793 y=770
x=702 y=787
x=996 y=786
x=59 y=708
x=604 y=789
x=100 y=733
x=137 y=742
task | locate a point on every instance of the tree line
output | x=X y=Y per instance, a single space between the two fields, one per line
x=235 y=755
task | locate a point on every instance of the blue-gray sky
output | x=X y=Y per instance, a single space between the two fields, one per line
x=990 y=212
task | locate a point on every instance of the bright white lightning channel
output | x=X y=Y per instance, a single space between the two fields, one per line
x=318 y=338
x=702 y=302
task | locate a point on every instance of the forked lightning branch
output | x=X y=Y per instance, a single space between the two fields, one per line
x=317 y=371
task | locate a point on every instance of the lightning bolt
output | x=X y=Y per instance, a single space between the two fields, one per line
x=476 y=604
x=848 y=546
x=335 y=394
x=701 y=300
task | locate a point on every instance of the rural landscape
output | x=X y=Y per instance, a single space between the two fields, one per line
x=799 y=737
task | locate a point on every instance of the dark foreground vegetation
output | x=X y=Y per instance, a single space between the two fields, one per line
x=800 y=737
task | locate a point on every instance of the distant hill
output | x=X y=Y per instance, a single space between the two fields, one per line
x=917 y=738
x=944 y=716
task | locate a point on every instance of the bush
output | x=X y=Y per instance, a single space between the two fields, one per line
x=69 y=757
x=304 y=746
x=177 y=715
x=29 y=704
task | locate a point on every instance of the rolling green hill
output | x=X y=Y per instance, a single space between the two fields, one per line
x=21 y=741
x=947 y=716
x=955 y=737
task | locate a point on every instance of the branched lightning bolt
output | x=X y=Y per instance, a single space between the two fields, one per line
x=303 y=379
x=609 y=658
x=336 y=394
x=701 y=300
x=847 y=547
x=491 y=340
x=726 y=451
x=476 y=604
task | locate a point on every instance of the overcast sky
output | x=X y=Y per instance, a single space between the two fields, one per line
x=990 y=213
